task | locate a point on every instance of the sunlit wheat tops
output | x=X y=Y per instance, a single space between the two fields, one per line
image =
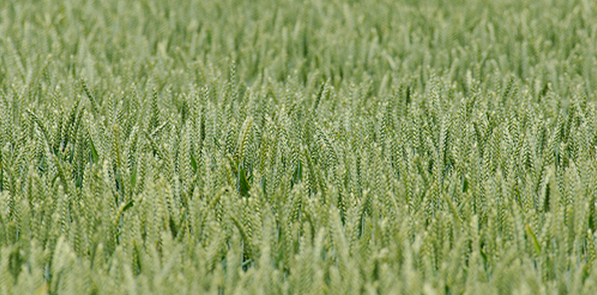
x=298 y=147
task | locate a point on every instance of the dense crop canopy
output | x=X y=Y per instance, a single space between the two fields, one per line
x=298 y=147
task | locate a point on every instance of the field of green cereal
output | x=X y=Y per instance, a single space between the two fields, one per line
x=298 y=147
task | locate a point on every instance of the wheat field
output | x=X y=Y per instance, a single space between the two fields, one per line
x=298 y=147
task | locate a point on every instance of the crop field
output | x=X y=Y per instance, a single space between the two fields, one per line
x=298 y=147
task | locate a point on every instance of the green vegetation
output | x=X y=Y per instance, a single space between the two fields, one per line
x=298 y=147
